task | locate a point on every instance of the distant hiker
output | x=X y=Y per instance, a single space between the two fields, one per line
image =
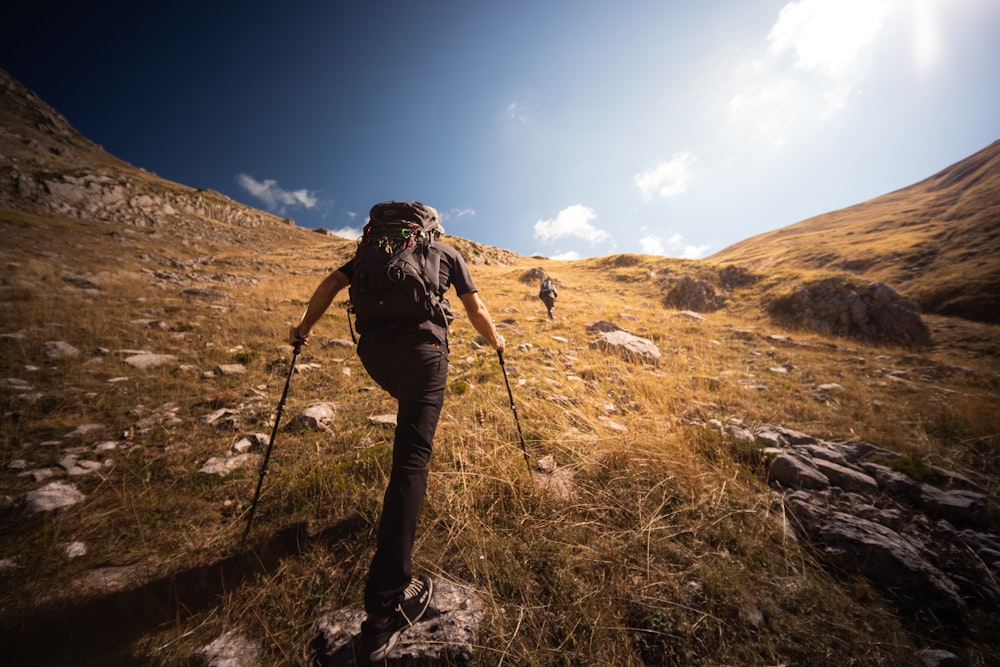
x=398 y=278
x=547 y=293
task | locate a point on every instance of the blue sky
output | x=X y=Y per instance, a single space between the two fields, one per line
x=568 y=128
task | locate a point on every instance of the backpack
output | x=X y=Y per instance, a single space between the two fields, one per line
x=546 y=289
x=396 y=270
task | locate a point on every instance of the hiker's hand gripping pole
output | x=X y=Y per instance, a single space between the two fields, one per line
x=510 y=395
x=274 y=430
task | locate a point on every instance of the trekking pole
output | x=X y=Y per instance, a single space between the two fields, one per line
x=510 y=395
x=267 y=453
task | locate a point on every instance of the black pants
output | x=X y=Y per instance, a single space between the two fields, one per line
x=415 y=375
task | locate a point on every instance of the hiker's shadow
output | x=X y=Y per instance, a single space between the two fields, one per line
x=100 y=630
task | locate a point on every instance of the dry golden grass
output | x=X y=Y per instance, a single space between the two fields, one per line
x=671 y=550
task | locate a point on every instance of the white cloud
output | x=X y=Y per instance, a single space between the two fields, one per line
x=349 y=233
x=566 y=256
x=458 y=213
x=572 y=221
x=667 y=179
x=652 y=245
x=812 y=70
x=827 y=36
x=674 y=246
x=517 y=112
x=274 y=197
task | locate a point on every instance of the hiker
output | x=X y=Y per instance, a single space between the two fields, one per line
x=406 y=353
x=547 y=293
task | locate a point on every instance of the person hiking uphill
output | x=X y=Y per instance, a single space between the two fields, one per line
x=547 y=293
x=403 y=346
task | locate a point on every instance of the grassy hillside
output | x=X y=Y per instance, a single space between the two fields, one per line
x=935 y=241
x=671 y=551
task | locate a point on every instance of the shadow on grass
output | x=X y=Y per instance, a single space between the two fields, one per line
x=101 y=630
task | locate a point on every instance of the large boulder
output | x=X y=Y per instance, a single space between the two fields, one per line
x=872 y=313
x=692 y=294
x=628 y=346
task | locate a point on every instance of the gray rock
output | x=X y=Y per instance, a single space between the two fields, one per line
x=627 y=346
x=873 y=313
x=316 y=417
x=885 y=557
x=961 y=506
x=52 y=496
x=232 y=649
x=794 y=472
x=59 y=349
x=148 y=360
x=222 y=466
x=891 y=481
x=846 y=478
x=692 y=294
x=602 y=326
x=447 y=634
x=939 y=658
x=383 y=420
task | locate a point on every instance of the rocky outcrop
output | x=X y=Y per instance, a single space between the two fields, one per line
x=871 y=313
x=48 y=168
x=692 y=294
x=929 y=548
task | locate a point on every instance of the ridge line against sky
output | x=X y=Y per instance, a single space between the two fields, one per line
x=567 y=129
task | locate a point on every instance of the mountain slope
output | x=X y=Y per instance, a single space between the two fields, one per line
x=143 y=354
x=937 y=241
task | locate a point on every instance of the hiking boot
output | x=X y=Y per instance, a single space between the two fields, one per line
x=379 y=638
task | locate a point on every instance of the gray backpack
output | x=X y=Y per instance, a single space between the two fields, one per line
x=397 y=267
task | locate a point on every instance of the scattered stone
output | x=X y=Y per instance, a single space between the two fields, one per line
x=202 y=293
x=148 y=360
x=612 y=424
x=602 y=326
x=232 y=649
x=59 y=349
x=81 y=282
x=231 y=369
x=222 y=466
x=52 y=496
x=242 y=446
x=316 y=417
x=550 y=476
x=107 y=580
x=939 y=658
x=16 y=384
x=384 y=420
x=76 y=550
x=84 y=430
x=222 y=416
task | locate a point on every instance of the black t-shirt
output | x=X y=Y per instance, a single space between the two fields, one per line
x=453 y=272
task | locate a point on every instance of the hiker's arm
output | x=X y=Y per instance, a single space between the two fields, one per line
x=318 y=303
x=481 y=320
